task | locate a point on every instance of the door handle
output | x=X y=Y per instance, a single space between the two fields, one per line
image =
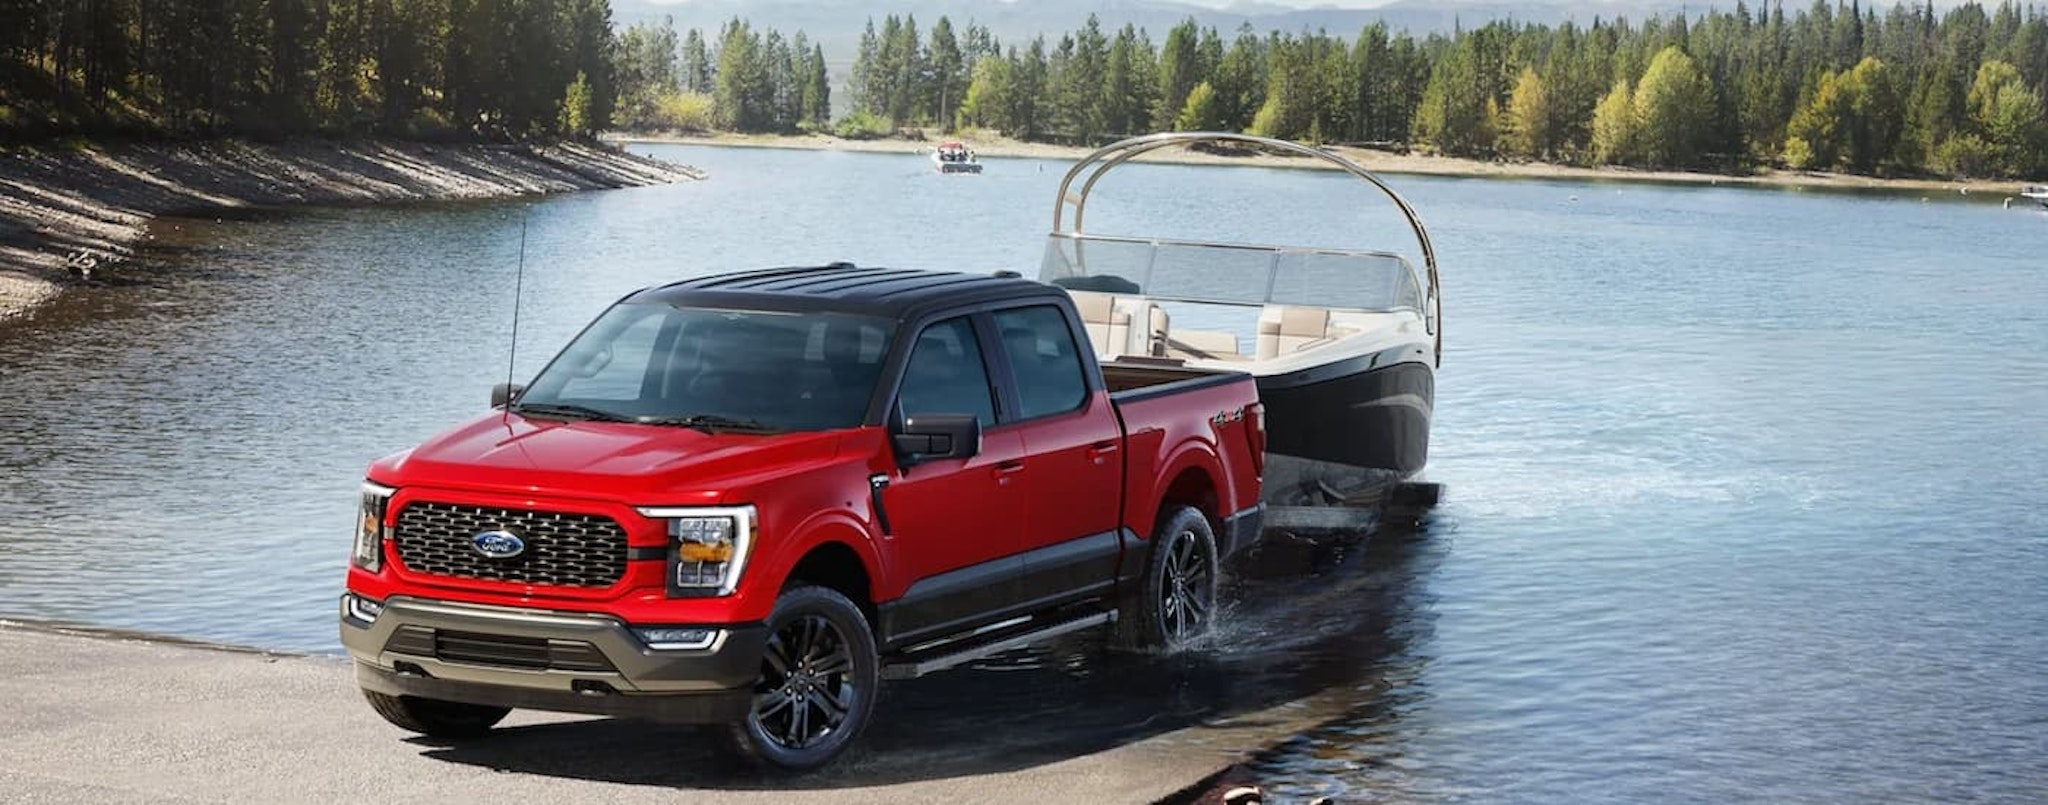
x=1006 y=469
x=1102 y=449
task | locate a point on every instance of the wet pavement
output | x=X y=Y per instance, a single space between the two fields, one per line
x=117 y=717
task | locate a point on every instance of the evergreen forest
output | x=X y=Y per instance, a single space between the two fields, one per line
x=1904 y=90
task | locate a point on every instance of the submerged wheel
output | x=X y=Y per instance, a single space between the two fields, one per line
x=819 y=674
x=1177 y=602
x=435 y=717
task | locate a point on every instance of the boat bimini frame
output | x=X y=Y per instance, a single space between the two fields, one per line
x=1070 y=212
x=1344 y=346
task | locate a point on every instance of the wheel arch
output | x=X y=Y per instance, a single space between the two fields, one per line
x=834 y=564
x=1194 y=477
x=1192 y=486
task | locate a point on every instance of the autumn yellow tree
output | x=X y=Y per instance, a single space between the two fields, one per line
x=2010 y=116
x=1672 y=105
x=1614 y=126
x=1200 y=112
x=1527 y=132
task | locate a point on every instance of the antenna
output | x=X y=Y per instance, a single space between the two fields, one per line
x=518 y=290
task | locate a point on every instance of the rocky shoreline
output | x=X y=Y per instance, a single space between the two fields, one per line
x=69 y=212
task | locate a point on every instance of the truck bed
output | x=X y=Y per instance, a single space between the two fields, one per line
x=1128 y=374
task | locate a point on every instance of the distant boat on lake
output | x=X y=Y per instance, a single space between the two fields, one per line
x=955 y=157
x=2037 y=192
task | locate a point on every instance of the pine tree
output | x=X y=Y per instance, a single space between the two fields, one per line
x=1180 y=69
x=865 y=80
x=948 y=74
x=741 y=88
x=1452 y=117
x=817 y=88
x=696 y=64
x=988 y=103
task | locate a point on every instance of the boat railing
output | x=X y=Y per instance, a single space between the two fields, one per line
x=1240 y=274
x=1070 y=250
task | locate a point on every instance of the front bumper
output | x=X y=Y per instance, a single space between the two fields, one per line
x=543 y=660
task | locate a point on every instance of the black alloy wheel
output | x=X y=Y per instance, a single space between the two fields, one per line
x=819 y=675
x=1187 y=594
x=1176 y=604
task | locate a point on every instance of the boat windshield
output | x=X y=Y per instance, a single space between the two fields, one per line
x=1232 y=274
x=748 y=369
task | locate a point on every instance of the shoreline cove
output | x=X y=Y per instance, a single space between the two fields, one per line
x=1372 y=160
x=67 y=213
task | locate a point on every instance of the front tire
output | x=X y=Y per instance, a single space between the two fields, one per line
x=436 y=718
x=819 y=676
x=1176 y=604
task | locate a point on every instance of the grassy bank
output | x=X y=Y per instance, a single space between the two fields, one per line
x=72 y=213
x=1376 y=161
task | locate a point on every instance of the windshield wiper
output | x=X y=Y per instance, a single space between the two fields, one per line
x=711 y=423
x=560 y=410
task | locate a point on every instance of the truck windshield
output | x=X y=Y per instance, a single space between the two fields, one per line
x=728 y=369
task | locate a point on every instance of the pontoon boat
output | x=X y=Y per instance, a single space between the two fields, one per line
x=1344 y=342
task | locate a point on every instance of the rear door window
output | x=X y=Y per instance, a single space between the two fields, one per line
x=946 y=375
x=1043 y=359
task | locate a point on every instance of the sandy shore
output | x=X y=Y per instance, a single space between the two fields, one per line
x=1377 y=161
x=67 y=213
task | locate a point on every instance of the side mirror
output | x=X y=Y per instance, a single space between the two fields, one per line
x=504 y=393
x=929 y=436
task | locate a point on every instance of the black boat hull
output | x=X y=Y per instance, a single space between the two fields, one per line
x=1345 y=431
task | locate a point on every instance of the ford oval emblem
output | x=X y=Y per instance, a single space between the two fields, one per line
x=498 y=544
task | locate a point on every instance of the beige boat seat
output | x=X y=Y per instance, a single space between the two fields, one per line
x=1286 y=328
x=1109 y=329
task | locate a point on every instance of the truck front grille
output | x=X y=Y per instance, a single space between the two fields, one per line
x=503 y=651
x=562 y=550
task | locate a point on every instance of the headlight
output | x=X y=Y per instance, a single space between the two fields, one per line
x=707 y=548
x=362 y=610
x=370 y=530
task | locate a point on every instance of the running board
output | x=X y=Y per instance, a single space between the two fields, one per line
x=939 y=658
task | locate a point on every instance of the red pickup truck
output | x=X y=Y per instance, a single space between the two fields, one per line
x=748 y=499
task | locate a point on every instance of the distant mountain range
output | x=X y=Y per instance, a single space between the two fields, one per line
x=836 y=24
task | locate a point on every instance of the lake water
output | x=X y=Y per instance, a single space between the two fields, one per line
x=1748 y=489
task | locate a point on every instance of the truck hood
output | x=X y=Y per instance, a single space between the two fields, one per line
x=625 y=462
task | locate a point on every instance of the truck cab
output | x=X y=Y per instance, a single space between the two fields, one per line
x=748 y=499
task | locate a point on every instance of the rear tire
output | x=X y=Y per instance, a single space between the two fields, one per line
x=819 y=676
x=436 y=718
x=1176 y=604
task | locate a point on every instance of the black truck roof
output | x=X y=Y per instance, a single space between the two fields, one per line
x=894 y=293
